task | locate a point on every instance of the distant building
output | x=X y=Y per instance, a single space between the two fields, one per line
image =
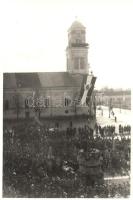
x=117 y=98
x=58 y=99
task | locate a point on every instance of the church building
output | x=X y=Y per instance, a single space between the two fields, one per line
x=55 y=99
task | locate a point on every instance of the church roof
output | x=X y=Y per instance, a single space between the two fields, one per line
x=58 y=79
x=27 y=80
x=9 y=80
x=41 y=80
x=20 y=80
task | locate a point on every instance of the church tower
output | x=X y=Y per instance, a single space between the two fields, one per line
x=77 y=49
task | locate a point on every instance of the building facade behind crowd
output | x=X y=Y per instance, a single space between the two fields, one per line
x=60 y=99
x=117 y=98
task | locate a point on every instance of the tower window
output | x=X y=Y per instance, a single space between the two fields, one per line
x=76 y=63
x=82 y=63
x=73 y=32
x=79 y=63
x=67 y=63
x=78 y=41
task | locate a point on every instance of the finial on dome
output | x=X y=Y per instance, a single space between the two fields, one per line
x=76 y=17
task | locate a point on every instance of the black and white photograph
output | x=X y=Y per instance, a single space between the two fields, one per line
x=66 y=98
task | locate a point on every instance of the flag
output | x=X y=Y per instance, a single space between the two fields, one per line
x=90 y=90
x=86 y=89
x=80 y=94
x=82 y=86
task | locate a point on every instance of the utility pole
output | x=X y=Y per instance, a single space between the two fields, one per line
x=120 y=105
x=110 y=106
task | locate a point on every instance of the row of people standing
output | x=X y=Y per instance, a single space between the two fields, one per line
x=105 y=131
x=124 y=129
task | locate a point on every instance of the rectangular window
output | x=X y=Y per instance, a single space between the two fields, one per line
x=82 y=63
x=6 y=105
x=76 y=63
x=26 y=104
x=78 y=41
x=47 y=101
x=73 y=32
x=71 y=124
x=56 y=125
x=79 y=63
x=67 y=102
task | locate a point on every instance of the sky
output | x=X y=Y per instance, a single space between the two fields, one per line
x=34 y=37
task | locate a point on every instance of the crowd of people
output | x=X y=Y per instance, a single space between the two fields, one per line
x=27 y=145
x=124 y=129
x=56 y=187
x=108 y=130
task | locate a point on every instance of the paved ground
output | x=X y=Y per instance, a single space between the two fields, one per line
x=123 y=117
